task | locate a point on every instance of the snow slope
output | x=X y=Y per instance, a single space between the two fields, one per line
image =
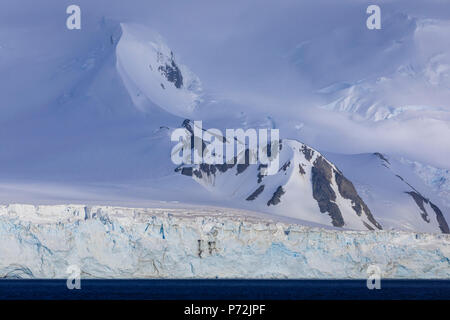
x=397 y=197
x=149 y=70
x=371 y=192
x=306 y=186
x=437 y=179
x=418 y=87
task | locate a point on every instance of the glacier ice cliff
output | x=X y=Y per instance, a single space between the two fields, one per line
x=114 y=242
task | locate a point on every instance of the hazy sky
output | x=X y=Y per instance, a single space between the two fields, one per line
x=273 y=56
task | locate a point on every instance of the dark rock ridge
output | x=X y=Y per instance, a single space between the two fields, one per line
x=172 y=73
x=187 y=124
x=285 y=166
x=368 y=226
x=420 y=200
x=189 y=171
x=322 y=191
x=260 y=176
x=322 y=180
x=205 y=169
x=211 y=169
x=328 y=183
x=256 y=193
x=276 y=198
x=382 y=157
x=348 y=191
x=241 y=167
x=307 y=152
x=440 y=218
x=301 y=170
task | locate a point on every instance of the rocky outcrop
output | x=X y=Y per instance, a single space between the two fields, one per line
x=348 y=191
x=440 y=218
x=285 y=166
x=323 y=193
x=308 y=152
x=301 y=169
x=172 y=73
x=421 y=201
x=256 y=193
x=324 y=188
x=382 y=157
x=241 y=167
x=276 y=198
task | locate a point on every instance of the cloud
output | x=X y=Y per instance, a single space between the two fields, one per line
x=270 y=57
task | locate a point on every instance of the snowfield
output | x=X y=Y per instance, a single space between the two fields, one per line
x=114 y=242
x=149 y=71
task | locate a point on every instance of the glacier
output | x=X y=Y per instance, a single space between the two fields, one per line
x=203 y=242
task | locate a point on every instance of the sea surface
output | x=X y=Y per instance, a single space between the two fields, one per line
x=224 y=289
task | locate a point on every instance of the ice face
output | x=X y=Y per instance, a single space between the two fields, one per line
x=112 y=242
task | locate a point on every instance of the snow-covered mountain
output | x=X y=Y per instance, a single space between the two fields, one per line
x=310 y=188
x=418 y=87
x=306 y=186
x=397 y=197
x=437 y=179
x=149 y=71
x=101 y=116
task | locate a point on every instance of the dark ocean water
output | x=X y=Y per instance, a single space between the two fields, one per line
x=224 y=289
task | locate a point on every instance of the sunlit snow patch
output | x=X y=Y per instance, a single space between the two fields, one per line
x=152 y=75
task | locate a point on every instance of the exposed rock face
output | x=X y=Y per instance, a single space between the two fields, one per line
x=260 y=175
x=187 y=171
x=421 y=201
x=307 y=152
x=285 y=166
x=348 y=191
x=301 y=170
x=305 y=185
x=440 y=218
x=276 y=198
x=323 y=193
x=255 y=194
x=153 y=73
x=211 y=169
x=241 y=167
x=390 y=188
x=382 y=157
x=172 y=73
x=187 y=124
